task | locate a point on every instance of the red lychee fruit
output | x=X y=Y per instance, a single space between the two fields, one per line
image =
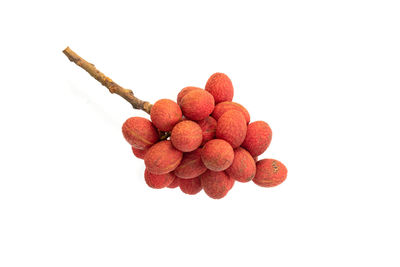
x=220 y=86
x=139 y=132
x=258 y=138
x=158 y=181
x=217 y=155
x=191 y=165
x=184 y=91
x=165 y=114
x=186 y=136
x=162 y=158
x=197 y=104
x=270 y=172
x=190 y=186
x=232 y=127
x=216 y=184
x=243 y=167
x=223 y=107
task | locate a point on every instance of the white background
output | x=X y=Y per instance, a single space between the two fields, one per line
x=323 y=74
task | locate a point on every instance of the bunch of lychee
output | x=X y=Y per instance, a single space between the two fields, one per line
x=210 y=142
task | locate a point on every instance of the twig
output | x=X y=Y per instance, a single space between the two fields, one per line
x=113 y=87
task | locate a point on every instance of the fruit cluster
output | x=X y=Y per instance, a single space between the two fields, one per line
x=212 y=143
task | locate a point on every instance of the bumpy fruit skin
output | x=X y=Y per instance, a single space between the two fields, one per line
x=184 y=91
x=139 y=132
x=223 y=107
x=191 y=165
x=217 y=155
x=190 y=186
x=162 y=158
x=165 y=114
x=158 y=181
x=216 y=184
x=186 y=136
x=197 y=104
x=209 y=127
x=139 y=153
x=220 y=86
x=243 y=168
x=232 y=127
x=174 y=183
x=258 y=138
x=270 y=172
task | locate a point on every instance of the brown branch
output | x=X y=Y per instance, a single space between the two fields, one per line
x=113 y=87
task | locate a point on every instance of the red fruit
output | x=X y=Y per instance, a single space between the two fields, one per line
x=258 y=138
x=270 y=172
x=165 y=114
x=243 y=167
x=184 y=91
x=232 y=182
x=191 y=165
x=139 y=153
x=139 y=132
x=217 y=155
x=220 y=86
x=162 y=158
x=190 y=186
x=197 y=104
x=232 y=127
x=186 y=136
x=174 y=183
x=209 y=127
x=223 y=107
x=216 y=184
x=158 y=181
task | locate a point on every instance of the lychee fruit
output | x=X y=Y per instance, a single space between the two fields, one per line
x=186 y=136
x=217 y=155
x=216 y=184
x=165 y=114
x=190 y=186
x=184 y=91
x=270 y=172
x=220 y=86
x=191 y=165
x=158 y=181
x=197 y=104
x=139 y=132
x=232 y=127
x=223 y=107
x=243 y=167
x=162 y=158
x=258 y=138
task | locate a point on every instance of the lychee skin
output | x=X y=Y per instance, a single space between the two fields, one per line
x=232 y=127
x=220 y=86
x=186 y=136
x=270 y=172
x=174 y=183
x=184 y=91
x=191 y=165
x=139 y=153
x=139 y=132
x=165 y=114
x=258 y=138
x=223 y=107
x=197 y=104
x=162 y=158
x=243 y=168
x=217 y=155
x=216 y=184
x=209 y=127
x=158 y=181
x=190 y=186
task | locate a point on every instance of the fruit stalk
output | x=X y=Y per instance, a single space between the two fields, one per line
x=112 y=86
